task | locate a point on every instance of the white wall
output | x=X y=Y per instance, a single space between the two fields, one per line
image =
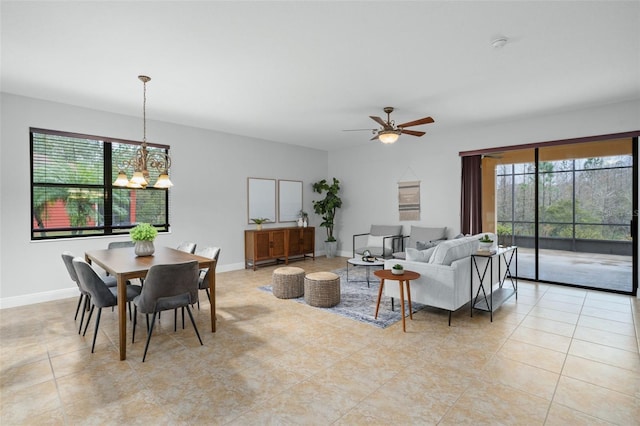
x=209 y=197
x=208 y=201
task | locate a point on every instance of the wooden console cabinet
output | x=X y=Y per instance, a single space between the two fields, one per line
x=277 y=244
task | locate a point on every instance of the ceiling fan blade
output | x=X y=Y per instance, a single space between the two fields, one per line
x=412 y=132
x=425 y=120
x=379 y=120
x=358 y=130
x=374 y=138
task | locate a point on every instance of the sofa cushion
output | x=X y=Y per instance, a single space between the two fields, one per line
x=421 y=233
x=414 y=255
x=452 y=250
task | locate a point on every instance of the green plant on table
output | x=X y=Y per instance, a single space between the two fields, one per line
x=143 y=232
x=486 y=239
x=397 y=267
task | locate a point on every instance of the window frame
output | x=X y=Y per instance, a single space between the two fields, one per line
x=108 y=228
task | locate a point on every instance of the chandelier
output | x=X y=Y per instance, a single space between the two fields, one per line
x=143 y=158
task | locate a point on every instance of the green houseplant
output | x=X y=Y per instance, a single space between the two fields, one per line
x=143 y=234
x=259 y=221
x=485 y=243
x=326 y=208
x=397 y=269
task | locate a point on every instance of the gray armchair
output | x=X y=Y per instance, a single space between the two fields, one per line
x=167 y=287
x=381 y=241
x=101 y=295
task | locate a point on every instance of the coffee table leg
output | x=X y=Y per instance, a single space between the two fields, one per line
x=367 y=266
x=379 y=296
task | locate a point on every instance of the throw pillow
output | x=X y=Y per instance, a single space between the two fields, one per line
x=423 y=245
x=416 y=255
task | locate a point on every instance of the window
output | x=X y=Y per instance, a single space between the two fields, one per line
x=72 y=193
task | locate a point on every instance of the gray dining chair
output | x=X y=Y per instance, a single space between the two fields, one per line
x=167 y=287
x=67 y=258
x=187 y=247
x=120 y=244
x=101 y=295
x=203 y=279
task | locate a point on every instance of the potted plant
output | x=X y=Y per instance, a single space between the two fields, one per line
x=485 y=243
x=143 y=235
x=304 y=218
x=397 y=269
x=259 y=221
x=326 y=208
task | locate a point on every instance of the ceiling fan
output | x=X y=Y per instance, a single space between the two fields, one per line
x=389 y=132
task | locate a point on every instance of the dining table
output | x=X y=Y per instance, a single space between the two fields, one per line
x=125 y=265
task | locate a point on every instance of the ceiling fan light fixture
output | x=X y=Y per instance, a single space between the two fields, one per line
x=388 y=136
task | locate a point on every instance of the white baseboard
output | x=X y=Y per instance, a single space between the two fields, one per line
x=46 y=296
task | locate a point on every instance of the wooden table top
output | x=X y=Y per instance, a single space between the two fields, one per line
x=386 y=274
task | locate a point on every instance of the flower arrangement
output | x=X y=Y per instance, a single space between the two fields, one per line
x=143 y=232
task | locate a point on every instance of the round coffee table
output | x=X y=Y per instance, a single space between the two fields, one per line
x=407 y=276
x=357 y=261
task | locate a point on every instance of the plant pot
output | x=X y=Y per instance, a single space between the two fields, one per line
x=397 y=271
x=259 y=226
x=144 y=248
x=330 y=248
x=485 y=246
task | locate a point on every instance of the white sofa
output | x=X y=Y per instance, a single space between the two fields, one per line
x=445 y=273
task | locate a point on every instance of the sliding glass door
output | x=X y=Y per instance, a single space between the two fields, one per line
x=569 y=209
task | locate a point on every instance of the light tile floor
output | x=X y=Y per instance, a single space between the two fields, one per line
x=555 y=356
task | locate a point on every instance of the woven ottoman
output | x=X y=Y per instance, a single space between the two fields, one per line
x=288 y=282
x=322 y=289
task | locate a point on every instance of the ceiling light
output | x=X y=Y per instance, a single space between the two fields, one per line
x=388 y=136
x=142 y=158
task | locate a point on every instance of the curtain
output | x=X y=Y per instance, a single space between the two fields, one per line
x=471 y=196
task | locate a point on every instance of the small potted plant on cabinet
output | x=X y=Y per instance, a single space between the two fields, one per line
x=397 y=269
x=143 y=235
x=259 y=221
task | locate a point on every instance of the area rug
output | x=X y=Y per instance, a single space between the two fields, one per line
x=358 y=302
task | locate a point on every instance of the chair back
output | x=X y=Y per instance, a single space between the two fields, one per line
x=120 y=244
x=67 y=258
x=167 y=281
x=91 y=282
x=187 y=247
x=210 y=252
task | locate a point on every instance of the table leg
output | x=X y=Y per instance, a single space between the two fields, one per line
x=404 y=327
x=212 y=295
x=379 y=296
x=122 y=315
x=409 y=298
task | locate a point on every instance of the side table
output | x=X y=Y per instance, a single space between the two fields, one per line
x=386 y=274
x=492 y=298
